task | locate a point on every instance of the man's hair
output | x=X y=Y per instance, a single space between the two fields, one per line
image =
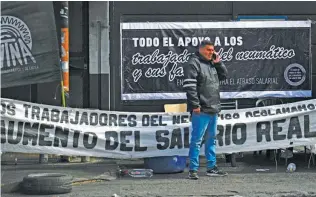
x=205 y=42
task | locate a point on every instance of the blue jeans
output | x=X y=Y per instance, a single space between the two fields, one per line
x=201 y=123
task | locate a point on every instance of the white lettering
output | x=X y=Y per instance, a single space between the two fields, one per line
x=175 y=72
x=15 y=53
x=226 y=56
x=239 y=41
x=137 y=73
x=195 y=41
x=217 y=42
x=170 y=42
x=142 y=42
x=165 y=41
x=180 y=42
x=273 y=53
x=165 y=60
x=135 y=41
x=156 y=42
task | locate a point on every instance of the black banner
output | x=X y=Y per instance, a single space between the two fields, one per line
x=29 y=45
x=264 y=59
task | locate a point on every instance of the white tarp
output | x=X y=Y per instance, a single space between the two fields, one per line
x=35 y=128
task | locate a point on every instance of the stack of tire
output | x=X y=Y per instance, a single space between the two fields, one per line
x=47 y=183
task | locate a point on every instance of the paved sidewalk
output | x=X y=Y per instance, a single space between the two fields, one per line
x=243 y=180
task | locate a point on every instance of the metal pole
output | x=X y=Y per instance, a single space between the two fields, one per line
x=99 y=63
x=64 y=50
x=64 y=59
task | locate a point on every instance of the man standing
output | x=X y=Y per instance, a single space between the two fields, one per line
x=201 y=84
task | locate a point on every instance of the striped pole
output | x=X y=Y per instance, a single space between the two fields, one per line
x=64 y=50
x=64 y=59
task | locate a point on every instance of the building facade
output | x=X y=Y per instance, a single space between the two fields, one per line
x=95 y=80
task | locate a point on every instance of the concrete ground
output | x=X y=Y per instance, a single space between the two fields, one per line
x=243 y=180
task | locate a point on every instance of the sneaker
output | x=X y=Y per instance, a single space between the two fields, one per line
x=215 y=172
x=193 y=175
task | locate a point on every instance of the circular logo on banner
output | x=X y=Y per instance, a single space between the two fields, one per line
x=13 y=29
x=16 y=43
x=295 y=74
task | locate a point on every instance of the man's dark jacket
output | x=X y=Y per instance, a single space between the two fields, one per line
x=201 y=83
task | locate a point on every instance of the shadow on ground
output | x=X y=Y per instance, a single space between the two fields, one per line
x=248 y=164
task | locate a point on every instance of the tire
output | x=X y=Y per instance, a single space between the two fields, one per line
x=47 y=183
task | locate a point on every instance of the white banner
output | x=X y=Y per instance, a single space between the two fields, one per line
x=35 y=128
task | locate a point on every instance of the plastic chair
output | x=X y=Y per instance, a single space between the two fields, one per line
x=182 y=107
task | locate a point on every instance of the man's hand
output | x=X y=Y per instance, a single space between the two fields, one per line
x=217 y=59
x=197 y=110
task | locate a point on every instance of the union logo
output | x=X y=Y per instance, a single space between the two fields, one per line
x=16 y=44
